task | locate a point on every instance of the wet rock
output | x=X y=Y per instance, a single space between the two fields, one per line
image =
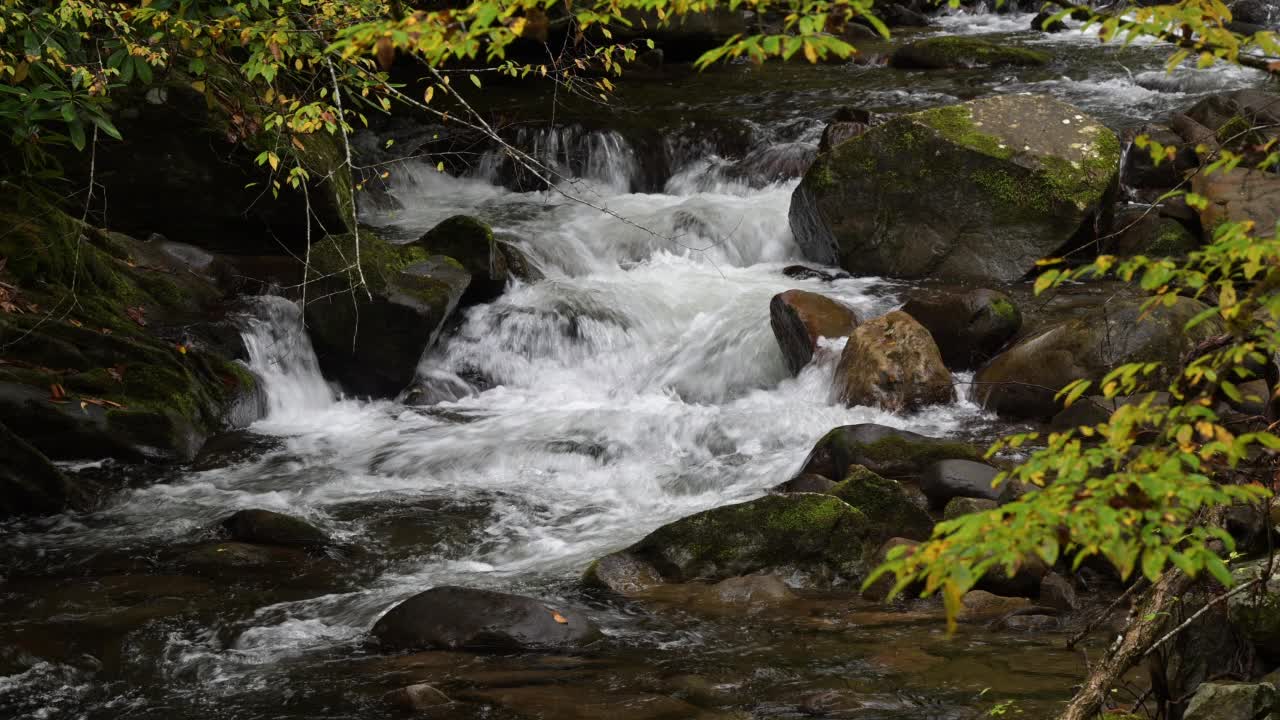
x=887 y=506
x=273 y=528
x=883 y=450
x=961 y=506
x=1044 y=22
x=976 y=192
x=1233 y=701
x=949 y=479
x=892 y=363
x=30 y=484
x=752 y=590
x=955 y=51
x=1022 y=380
x=847 y=124
x=1024 y=581
x=1144 y=231
x=1256 y=615
x=1057 y=592
x=1033 y=622
x=371 y=342
x=879 y=590
x=981 y=605
x=1242 y=194
x=553 y=703
x=804 y=272
x=230 y=558
x=472 y=244
x=457 y=618
x=1239 y=118
x=814 y=540
x=1140 y=169
x=622 y=573
x=519 y=265
x=968 y=325
x=417 y=698
x=800 y=319
x=806 y=483
x=1255 y=12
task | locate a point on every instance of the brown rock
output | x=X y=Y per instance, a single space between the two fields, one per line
x=1238 y=195
x=982 y=605
x=800 y=318
x=418 y=697
x=892 y=363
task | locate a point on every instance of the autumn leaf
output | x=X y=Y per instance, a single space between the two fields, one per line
x=385 y=51
x=57 y=393
x=75 y=323
x=559 y=618
x=137 y=314
x=116 y=373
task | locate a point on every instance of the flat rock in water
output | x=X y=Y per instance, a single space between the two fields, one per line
x=881 y=449
x=273 y=528
x=954 y=51
x=800 y=319
x=457 y=618
x=946 y=480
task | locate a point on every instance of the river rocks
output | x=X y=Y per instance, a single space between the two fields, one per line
x=960 y=506
x=879 y=590
x=1045 y=22
x=371 y=339
x=1057 y=592
x=129 y=368
x=953 y=51
x=752 y=590
x=815 y=540
x=883 y=450
x=1022 y=380
x=231 y=560
x=1233 y=701
x=623 y=574
x=1142 y=172
x=891 y=362
x=800 y=319
x=1256 y=615
x=948 y=479
x=968 y=325
x=1240 y=117
x=471 y=243
x=458 y=618
x=273 y=528
x=418 y=698
x=887 y=506
x=977 y=191
x=29 y=483
x=1144 y=231
x=982 y=605
x=806 y=483
x=1242 y=194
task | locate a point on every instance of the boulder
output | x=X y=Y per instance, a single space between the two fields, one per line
x=1044 y=22
x=1023 y=380
x=806 y=483
x=1233 y=701
x=1236 y=196
x=623 y=574
x=1256 y=12
x=888 y=508
x=418 y=698
x=977 y=191
x=458 y=618
x=799 y=319
x=1097 y=409
x=752 y=590
x=878 y=591
x=30 y=484
x=961 y=506
x=883 y=450
x=1256 y=615
x=1057 y=592
x=1141 y=170
x=273 y=528
x=815 y=540
x=804 y=272
x=1144 y=231
x=968 y=325
x=1029 y=622
x=891 y=362
x=948 y=479
x=370 y=339
x=471 y=243
x=957 y=51
x=233 y=560
x=983 y=605
x=1239 y=118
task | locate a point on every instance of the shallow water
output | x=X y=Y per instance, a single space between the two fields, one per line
x=639 y=382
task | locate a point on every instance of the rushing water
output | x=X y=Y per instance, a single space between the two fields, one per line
x=637 y=383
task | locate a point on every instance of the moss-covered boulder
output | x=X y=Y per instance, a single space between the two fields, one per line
x=817 y=540
x=1143 y=231
x=1256 y=615
x=472 y=244
x=889 y=510
x=977 y=191
x=1022 y=380
x=954 y=51
x=969 y=325
x=948 y=479
x=891 y=362
x=883 y=450
x=30 y=484
x=109 y=344
x=800 y=319
x=370 y=338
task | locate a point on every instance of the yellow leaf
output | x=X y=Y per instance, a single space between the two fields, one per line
x=198 y=86
x=431 y=91
x=20 y=73
x=273 y=160
x=559 y=618
x=517 y=27
x=810 y=53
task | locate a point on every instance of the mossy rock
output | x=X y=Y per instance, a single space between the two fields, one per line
x=817 y=540
x=962 y=52
x=975 y=192
x=1142 y=231
x=371 y=338
x=1023 y=380
x=969 y=325
x=888 y=508
x=471 y=242
x=883 y=450
x=111 y=351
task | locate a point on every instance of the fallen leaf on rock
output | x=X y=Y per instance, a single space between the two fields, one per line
x=137 y=314
x=57 y=393
x=559 y=618
x=75 y=323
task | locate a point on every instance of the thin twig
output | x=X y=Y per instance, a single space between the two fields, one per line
x=1207 y=606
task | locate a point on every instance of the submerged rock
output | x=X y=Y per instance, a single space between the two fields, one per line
x=813 y=540
x=418 y=698
x=1044 y=22
x=977 y=191
x=1022 y=380
x=752 y=590
x=888 y=508
x=883 y=450
x=946 y=480
x=273 y=528
x=623 y=574
x=983 y=605
x=370 y=339
x=953 y=51
x=968 y=325
x=891 y=362
x=800 y=319
x=458 y=618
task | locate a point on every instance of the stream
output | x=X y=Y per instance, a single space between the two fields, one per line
x=637 y=383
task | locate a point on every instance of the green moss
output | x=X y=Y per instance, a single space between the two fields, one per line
x=888 y=509
x=955 y=122
x=1013 y=191
x=1005 y=310
x=899 y=449
x=955 y=51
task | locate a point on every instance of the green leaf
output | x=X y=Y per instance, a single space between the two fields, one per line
x=105 y=126
x=77 y=135
x=475 y=80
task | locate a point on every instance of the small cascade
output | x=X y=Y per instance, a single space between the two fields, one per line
x=602 y=157
x=280 y=353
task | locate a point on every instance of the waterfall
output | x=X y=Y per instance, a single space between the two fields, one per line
x=280 y=353
x=602 y=157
